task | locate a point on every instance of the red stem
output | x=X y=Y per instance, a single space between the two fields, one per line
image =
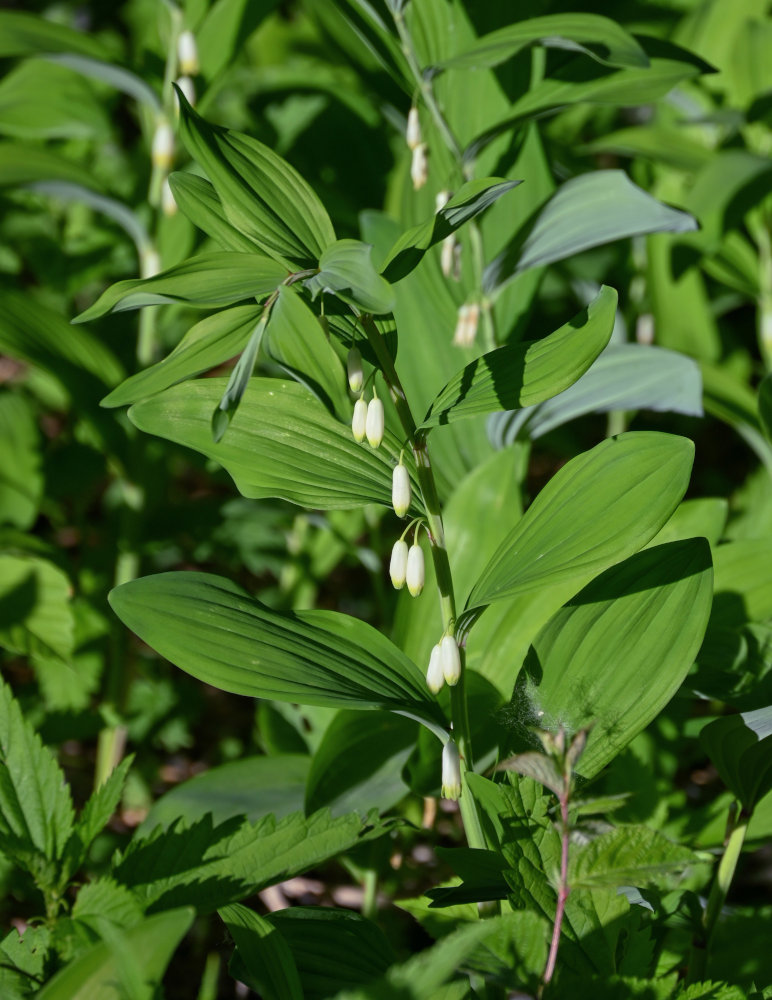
x=563 y=891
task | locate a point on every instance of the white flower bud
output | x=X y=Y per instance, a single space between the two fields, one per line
x=419 y=168
x=466 y=327
x=163 y=145
x=374 y=423
x=441 y=199
x=451 y=660
x=354 y=369
x=168 y=204
x=400 y=490
x=434 y=678
x=451 y=771
x=359 y=420
x=416 y=573
x=448 y=255
x=413 y=131
x=398 y=564
x=187 y=53
x=188 y=89
x=149 y=263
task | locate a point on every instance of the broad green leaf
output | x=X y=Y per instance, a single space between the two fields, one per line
x=728 y=186
x=333 y=949
x=133 y=960
x=262 y=195
x=742 y=585
x=238 y=380
x=615 y=655
x=704 y=517
x=116 y=76
x=224 y=31
x=346 y=270
x=728 y=397
x=197 y=199
x=765 y=405
x=22 y=163
x=587 y=211
x=624 y=377
x=36 y=616
x=596 y=36
x=40 y=100
x=661 y=143
x=21 y=478
x=605 y=503
x=211 y=342
x=251 y=787
x=523 y=374
x=282 y=443
x=213 y=630
x=739 y=746
x=36 y=813
x=211 y=866
x=471 y=199
x=27 y=34
x=628 y=855
x=264 y=953
x=358 y=764
x=209 y=280
x=481 y=873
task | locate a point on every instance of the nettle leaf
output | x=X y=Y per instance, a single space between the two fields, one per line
x=347 y=271
x=618 y=652
x=596 y=36
x=587 y=211
x=262 y=195
x=538 y=766
x=36 y=812
x=102 y=804
x=624 y=377
x=263 y=953
x=215 y=631
x=206 y=281
x=211 y=866
x=282 y=443
x=209 y=343
x=628 y=855
x=131 y=963
x=198 y=201
x=37 y=616
x=471 y=199
x=606 y=503
x=526 y=373
x=739 y=746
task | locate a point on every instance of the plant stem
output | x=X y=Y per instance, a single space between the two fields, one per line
x=563 y=890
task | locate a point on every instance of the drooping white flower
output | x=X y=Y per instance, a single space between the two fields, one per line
x=149 y=263
x=451 y=660
x=354 y=370
x=434 y=678
x=398 y=564
x=163 y=145
x=466 y=326
x=400 y=490
x=168 y=203
x=448 y=256
x=374 y=424
x=359 y=420
x=188 y=88
x=187 y=53
x=451 y=771
x=419 y=167
x=416 y=571
x=413 y=130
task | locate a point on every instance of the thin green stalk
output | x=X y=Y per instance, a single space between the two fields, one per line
x=370 y=895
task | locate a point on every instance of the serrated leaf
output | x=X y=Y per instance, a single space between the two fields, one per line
x=264 y=953
x=586 y=211
x=282 y=443
x=23 y=960
x=628 y=855
x=213 y=630
x=206 y=281
x=605 y=503
x=527 y=373
x=102 y=804
x=36 y=615
x=103 y=900
x=346 y=270
x=262 y=195
x=739 y=746
x=538 y=766
x=472 y=198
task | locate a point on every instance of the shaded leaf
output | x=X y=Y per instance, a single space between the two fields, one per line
x=346 y=270
x=238 y=380
x=264 y=954
x=197 y=199
x=628 y=855
x=26 y=34
x=739 y=746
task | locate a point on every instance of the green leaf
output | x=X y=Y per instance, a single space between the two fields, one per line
x=213 y=630
x=661 y=143
x=36 y=616
x=264 y=953
x=26 y=34
x=35 y=805
x=211 y=342
x=617 y=653
x=624 y=377
x=40 y=100
x=102 y=804
x=765 y=405
x=605 y=503
x=209 y=280
x=21 y=477
x=598 y=37
x=211 y=867
x=106 y=900
x=333 y=949
x=587 y=211
x=282 y=443
x=197 y=199
x=116 y=76
x=262 y=195
x=224 y=31
x=23 y=164
x=134 y=961
x=471 y=199
x=742 y=586
x=538 y=766
x=346 y=270
x=523 y=374
x=739 y=746
x=23 y=962
x=628 y=855
x=238 y=380
x=252 y=787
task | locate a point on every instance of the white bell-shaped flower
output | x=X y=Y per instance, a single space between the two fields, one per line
x=451 y=771
x=354 y=370
x=434 y=678
x=451 y=660
x=400 y=490
x=374 y=424
x=187 y=53
x=398 y=564
x=413 y=131
x=359 y=420
x=163 y=145
x=416 y=571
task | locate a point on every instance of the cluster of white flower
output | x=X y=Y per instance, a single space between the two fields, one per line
x=419 y=168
